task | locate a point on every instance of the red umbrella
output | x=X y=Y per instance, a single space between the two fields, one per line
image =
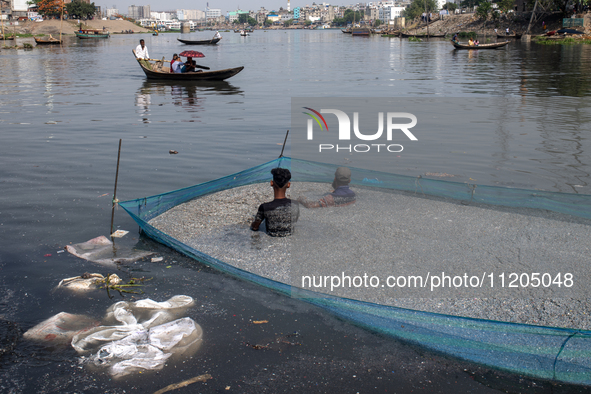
x=191 y=54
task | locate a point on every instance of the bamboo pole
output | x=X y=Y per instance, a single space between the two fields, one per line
x=115 y=192
x=2 y=16
x=61 y=22
x=284 y=141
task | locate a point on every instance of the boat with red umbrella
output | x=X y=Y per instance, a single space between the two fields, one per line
x=156 y=69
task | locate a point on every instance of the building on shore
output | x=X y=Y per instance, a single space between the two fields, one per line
x=138 y=12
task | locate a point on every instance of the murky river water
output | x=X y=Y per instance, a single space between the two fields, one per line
x=63 y=111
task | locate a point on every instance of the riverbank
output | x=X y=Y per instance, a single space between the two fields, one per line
x=53 y=26
x=471 y=23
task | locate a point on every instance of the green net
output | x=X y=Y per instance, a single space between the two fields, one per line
x=555 y=354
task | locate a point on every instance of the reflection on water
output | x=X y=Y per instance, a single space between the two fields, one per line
x=191 y=96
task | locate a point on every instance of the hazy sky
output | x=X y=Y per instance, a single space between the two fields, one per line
x=224 y=5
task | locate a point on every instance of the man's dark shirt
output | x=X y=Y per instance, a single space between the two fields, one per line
x=280 y=214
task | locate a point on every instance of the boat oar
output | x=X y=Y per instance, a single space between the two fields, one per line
x=203 y=67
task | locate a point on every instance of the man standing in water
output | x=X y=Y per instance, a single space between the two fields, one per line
x=281 y=213
x=141 y=51
x=342 y=194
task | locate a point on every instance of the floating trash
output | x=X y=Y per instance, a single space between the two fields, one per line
x=100 y=250
x=86 y=282
x=119 y=233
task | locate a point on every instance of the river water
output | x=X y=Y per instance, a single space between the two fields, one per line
x=64 y=109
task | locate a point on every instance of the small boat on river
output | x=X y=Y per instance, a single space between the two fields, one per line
x=91 y=33
x=213 y=41
x=2 y=37
x=47 y=41
x=361 y=31
x=494 y=45
x=155 y=69
x=404 y=35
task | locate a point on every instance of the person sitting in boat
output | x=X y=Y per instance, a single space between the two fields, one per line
x=281 y=213
x=190 y=65
x=455 y=38
x=476 y=42
x=342 y=195
x=176 y=66
x=141 y=51
x=471 y=42
x=217 y=35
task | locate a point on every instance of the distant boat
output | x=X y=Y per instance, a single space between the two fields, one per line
x=47 y=41
x=243 y=33
x=89 y=33
x=361 y=31
x=496 y=45
x=213 y=41
x=347 y=31
x=404 y=35
x=2 y=37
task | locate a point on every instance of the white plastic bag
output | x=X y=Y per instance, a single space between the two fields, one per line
x=140 y=335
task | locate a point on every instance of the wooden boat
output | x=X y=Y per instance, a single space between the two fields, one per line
x=495 y=45
x=6 y=37
x=47 y=41
x=515 y=36
x=213 y=41
x=157 y=70
x=404 y=35
x=361 y=31
x=346 y=31
x=89 y=33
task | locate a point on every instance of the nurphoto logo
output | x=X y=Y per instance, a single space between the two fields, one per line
x=345 y=130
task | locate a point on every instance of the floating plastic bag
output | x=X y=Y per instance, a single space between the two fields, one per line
x=87 y=282
x=60 y=329
x=149 y=349
x=100 y=250
x=140 y=335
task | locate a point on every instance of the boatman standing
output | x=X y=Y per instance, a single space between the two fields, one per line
x=141 y=51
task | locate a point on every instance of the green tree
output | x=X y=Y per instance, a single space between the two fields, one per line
x=252 y=21
x=80 y=10
x=483 y=11
x=505 y=5
x=308 y=22
x=268 y=22
x=417 y=7
x=351 y=16
x=243 y=18
x=451 y=7
x=288 y=23
x=338 y=21
x=377 y=22
x=471 y=3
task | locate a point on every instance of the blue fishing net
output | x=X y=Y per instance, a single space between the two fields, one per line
x=556 y=354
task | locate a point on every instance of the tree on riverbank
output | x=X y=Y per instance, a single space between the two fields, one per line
x=483 y=12
x=417 y=7
x=348 y=17
x=451 y=7
x=49 y=7
x=80 y=10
